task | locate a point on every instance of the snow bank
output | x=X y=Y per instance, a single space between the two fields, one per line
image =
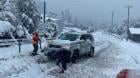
x=5 y=26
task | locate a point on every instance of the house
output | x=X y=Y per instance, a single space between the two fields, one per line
x=134 y=34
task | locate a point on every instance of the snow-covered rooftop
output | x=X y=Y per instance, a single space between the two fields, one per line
x=49 y=18
x=134 y=30
x=53 y=19
x=5 y=26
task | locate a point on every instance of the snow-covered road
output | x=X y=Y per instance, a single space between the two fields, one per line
x=111 y=56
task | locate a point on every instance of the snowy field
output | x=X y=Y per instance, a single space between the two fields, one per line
x=112 y=55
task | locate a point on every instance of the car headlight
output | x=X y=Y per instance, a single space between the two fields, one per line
x=66 y=47
x=46 y=46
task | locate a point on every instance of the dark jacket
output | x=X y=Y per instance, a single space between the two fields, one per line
x=63 y=55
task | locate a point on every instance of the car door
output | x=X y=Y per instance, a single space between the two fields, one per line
x=83 y=44
x=88 y=42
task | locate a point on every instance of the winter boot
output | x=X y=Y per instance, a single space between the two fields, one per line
x=62 y=71
x=33 y=54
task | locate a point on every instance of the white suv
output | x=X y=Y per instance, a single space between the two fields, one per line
x=76 y=43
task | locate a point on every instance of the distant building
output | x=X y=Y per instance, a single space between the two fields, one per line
x=137 y=25
x=134 y=34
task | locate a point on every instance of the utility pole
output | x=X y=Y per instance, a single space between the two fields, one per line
x=112 y=21
x=44 y=11
x=128 y=18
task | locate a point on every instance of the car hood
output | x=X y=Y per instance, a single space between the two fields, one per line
x=60 y=42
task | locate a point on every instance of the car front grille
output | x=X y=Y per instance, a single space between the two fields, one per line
x=54 y=46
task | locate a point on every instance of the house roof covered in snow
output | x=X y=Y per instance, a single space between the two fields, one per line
x=134 y=30
x=5 y=26
x=52 y=19
x=49 y=18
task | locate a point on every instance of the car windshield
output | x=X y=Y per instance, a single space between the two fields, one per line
x=71 y=37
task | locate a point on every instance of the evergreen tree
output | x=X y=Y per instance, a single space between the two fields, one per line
x=29 y=15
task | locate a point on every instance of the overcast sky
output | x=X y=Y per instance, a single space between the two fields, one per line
x=96 y=10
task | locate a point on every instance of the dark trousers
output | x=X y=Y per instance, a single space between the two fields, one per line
x=63 y=57
x=62 y=64
x=35 y=48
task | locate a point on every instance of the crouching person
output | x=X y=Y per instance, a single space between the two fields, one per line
x=63 y=57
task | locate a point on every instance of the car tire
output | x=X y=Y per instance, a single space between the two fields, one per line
x=75 y=56
x=91 y=53
x=48 y=55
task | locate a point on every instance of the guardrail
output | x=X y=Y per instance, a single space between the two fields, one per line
x=119 y=37
x=9 y=42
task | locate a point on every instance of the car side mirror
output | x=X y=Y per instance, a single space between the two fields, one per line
x=88 y=40
x=80 y=41
x=83 y=39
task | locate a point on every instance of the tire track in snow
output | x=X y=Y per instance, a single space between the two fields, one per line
x=136 y=61
x=104 y=46
x=98 y=66
x=53 y=70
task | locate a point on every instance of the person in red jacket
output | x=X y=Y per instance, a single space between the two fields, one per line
x=35 y=40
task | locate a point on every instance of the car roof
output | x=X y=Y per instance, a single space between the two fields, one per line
x=71 y=33
x=86 y=34
x=78 y=33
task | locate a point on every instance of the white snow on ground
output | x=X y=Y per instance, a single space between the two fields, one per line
x=111 y=56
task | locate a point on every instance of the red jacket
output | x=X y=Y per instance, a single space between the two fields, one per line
x=35 y=38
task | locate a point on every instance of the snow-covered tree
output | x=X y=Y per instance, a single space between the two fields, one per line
x=28 y=14
x=20 y=32
x=20 y=12
x=52 y=15
x=49 y=28
x=66 y=18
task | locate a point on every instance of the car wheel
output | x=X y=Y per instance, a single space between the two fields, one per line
x=68 y=57
x=91 y=53
x=45 y=54
x=48 y=55
x=75 y=56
